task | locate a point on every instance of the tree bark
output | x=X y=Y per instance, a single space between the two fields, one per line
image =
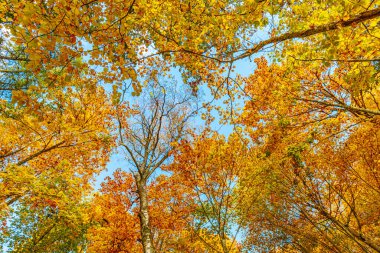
x=146 y=233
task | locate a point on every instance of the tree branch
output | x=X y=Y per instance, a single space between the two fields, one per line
x=367 y=15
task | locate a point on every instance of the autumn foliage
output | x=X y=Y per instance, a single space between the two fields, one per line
x=140 y=92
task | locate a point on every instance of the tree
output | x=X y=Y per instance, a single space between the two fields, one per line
x=147 y=133
x=209 y=167
x=54 y=219
x=202 y=38
x=305 y=115
x=52 y=146
x=116 y=221
x=115 y=216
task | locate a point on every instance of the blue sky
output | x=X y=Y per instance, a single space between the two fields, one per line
x=244 y=67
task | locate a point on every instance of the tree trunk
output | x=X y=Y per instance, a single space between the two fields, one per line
x=146 y=234
x=223 y=240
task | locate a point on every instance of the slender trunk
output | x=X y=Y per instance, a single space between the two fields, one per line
x=224 y=244
x=146 y=234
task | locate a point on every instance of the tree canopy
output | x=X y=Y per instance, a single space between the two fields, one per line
x=151 y=83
